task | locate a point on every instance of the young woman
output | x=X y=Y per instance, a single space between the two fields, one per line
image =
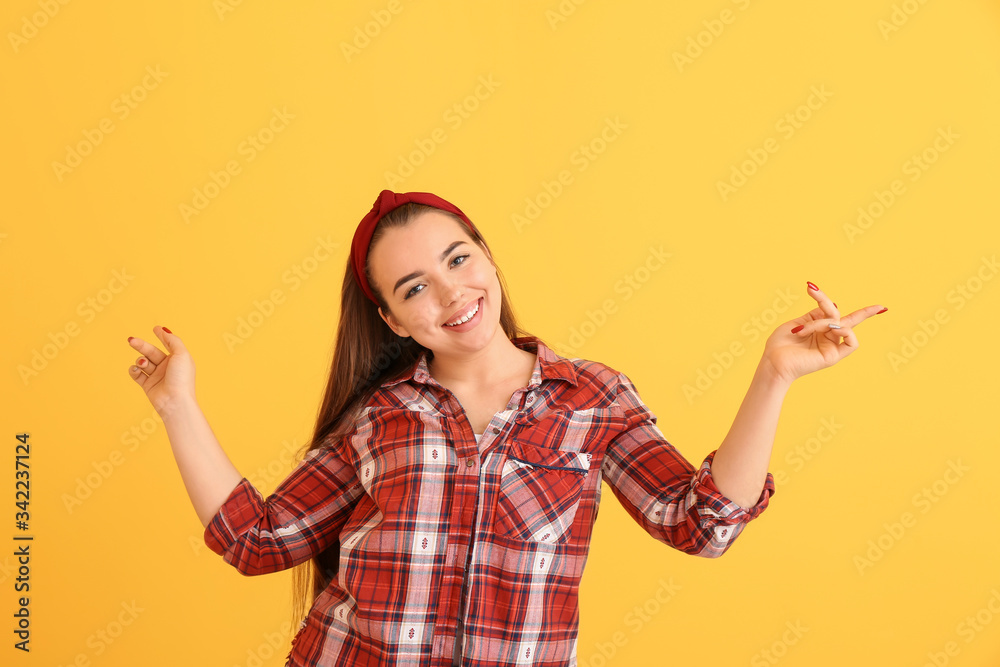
x=447 y=497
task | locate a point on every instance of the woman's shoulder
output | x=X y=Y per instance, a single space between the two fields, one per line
x=590 y=370
x=592 y=374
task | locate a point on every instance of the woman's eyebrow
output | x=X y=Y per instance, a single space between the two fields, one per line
x=417 y=274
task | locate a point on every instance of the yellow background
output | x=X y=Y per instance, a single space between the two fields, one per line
x=561 y=72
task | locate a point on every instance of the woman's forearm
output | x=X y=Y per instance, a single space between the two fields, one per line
x=740 y=464
x=209 y=476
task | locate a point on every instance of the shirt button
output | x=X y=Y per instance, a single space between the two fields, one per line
x=530 y=398
x=469 y=463
x=496 y=430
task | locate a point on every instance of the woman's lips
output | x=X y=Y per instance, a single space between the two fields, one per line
x=477 y=304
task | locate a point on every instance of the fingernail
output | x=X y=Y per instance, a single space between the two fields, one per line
x=130 y=338
x=881 y=311
x=835 y=305
x=811 y=286
x=833 y=326
x=798 y=328
x=141 y=362
x=166 y=329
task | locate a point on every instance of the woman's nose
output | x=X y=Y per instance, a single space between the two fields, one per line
x=450 y=293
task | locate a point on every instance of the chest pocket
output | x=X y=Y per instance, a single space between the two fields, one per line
x=540 y=491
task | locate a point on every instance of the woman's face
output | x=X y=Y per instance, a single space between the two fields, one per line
x=431 y=273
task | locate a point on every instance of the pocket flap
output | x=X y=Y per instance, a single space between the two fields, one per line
x=549 y=458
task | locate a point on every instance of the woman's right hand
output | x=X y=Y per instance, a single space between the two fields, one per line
x=167 y=379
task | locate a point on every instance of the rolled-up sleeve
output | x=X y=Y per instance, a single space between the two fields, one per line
x=663 y=492
x=300 y=519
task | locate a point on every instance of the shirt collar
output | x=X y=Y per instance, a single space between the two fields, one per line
x=548 y=365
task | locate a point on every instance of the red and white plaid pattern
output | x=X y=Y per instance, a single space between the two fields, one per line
x=417 y=507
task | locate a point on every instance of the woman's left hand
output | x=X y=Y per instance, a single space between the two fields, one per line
x=814 y=345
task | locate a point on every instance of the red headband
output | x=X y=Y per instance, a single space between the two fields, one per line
x=388 y=200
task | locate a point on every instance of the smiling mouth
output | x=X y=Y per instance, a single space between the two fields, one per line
x=467 y=315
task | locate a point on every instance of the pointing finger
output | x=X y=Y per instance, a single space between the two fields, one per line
x=859 y=316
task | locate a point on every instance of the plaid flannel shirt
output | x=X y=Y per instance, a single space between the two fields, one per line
x=435 y=529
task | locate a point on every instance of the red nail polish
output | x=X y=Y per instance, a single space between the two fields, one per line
x=798 y=328
x=166 y=329
x=882 y=311
x=141 y=362
x=811 y=286
x=130 y=338
x=835 y=305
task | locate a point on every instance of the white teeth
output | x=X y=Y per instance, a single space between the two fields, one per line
x=468 y=316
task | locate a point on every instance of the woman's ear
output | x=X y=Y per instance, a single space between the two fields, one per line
x=393 y=324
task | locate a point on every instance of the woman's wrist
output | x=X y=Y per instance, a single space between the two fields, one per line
x=768 y=377
x=180 y=408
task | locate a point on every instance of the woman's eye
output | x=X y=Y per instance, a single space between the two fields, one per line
x=411 y=291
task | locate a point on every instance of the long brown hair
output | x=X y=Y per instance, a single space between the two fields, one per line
x=366 y=354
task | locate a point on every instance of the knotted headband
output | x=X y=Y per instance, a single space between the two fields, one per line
x=388 y=200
